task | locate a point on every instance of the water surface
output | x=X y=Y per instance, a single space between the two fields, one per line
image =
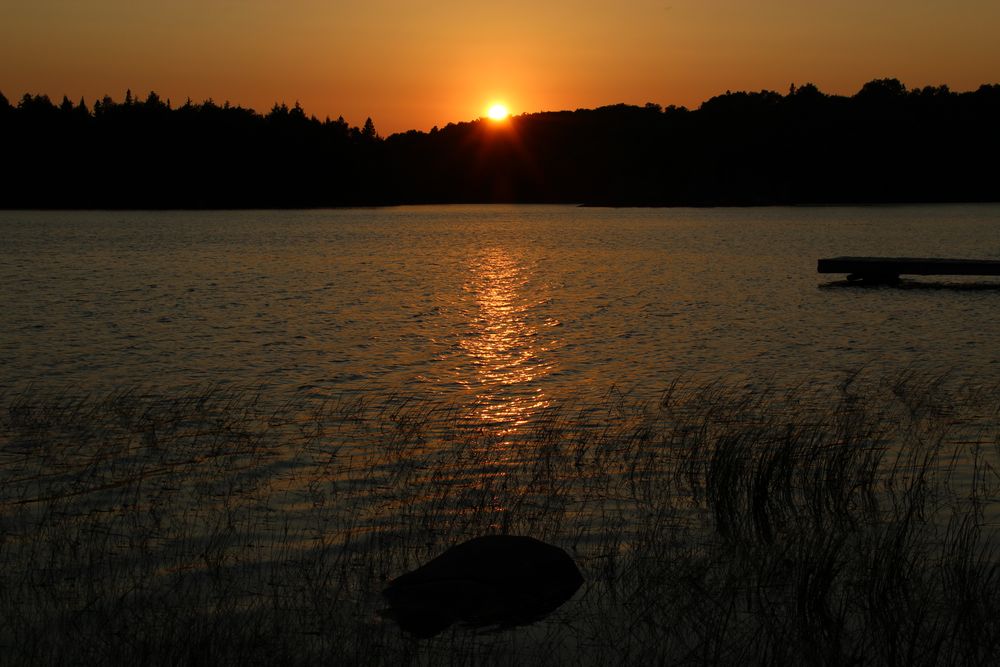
x=511 y=307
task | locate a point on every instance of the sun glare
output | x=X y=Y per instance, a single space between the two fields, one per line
x=498 y=112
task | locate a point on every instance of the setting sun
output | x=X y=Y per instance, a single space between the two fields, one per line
x=498 y=112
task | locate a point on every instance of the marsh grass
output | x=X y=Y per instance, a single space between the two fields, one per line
x=716 y=525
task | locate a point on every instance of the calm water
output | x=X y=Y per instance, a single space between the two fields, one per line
x=515 y=307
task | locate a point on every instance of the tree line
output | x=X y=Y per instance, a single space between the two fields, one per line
x=884 y=144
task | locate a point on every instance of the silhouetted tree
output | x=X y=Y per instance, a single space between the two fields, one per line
x=806 y=91
x=882 y=89
x=37 y=105
x=932 y=91
x=104 y=106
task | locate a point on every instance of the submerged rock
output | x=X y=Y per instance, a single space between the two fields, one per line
x=499 y=580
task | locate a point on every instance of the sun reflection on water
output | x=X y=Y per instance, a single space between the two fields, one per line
x=503 y=344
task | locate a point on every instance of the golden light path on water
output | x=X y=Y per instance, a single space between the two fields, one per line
x=503 y=345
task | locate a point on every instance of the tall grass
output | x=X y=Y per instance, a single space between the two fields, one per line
x=717 y=525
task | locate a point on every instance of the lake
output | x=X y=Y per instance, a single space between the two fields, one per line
x=511 y=307
x=223 y=433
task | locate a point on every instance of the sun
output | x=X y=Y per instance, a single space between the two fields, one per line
x=498 y=112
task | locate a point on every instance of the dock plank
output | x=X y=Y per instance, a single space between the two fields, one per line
x=882 y=267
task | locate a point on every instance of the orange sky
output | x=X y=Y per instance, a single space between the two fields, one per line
x=416 y=64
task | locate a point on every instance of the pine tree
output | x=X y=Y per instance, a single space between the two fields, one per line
x=368 y=131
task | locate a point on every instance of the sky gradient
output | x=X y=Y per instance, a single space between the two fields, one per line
x=418 y=64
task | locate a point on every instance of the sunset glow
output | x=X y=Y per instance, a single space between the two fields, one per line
x=498 y=112
x=435 y=67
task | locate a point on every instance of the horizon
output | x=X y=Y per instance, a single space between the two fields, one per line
x=489 y=114
x=410 y=67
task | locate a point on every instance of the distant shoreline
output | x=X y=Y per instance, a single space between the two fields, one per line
x=518 y=203
x=885 y=144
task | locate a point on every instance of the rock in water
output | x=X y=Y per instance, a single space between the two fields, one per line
x=493 y=580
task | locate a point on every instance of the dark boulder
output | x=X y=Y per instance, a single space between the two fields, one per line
x=498 y=580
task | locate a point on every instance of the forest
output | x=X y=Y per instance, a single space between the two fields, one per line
x=884 y=144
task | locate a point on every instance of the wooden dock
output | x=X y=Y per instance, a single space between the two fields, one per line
x=889 y=269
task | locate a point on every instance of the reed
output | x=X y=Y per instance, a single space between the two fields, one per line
x=717 y=525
